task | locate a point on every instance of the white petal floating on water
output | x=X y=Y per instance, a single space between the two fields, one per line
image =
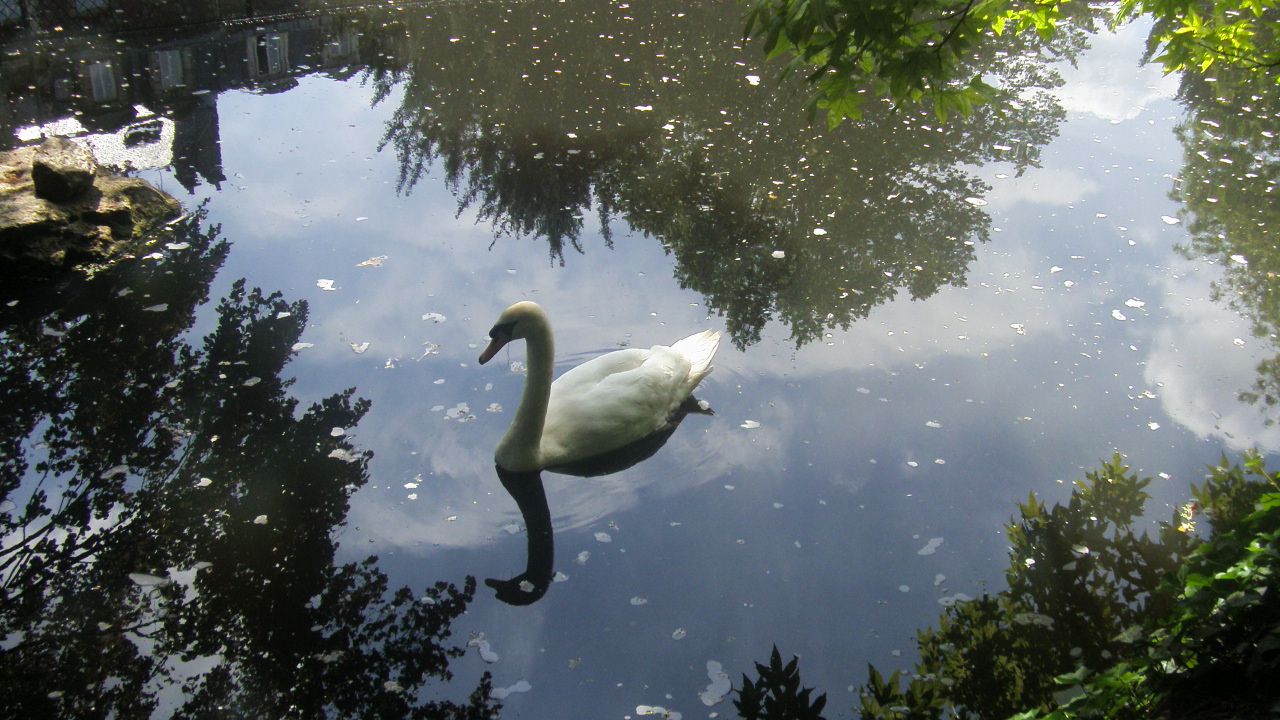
x=1019 y=328
x=481 y=643
x=343 y=455
x=1153 y=425
x=519 y=687
x=679 y=634
x=177 y=246
x=559 y=577
x=939 y=579
x=325 y=284
x=864 y=391
x=819 y=231
x=1134 y=303
x=204 y=482
x=638 y=601
x=494 y=408
x=904 y=588
x=750 y=425
x=950 y=600
x=117 y=470
x=283 y=314
x=753 y=79
x=434 y=317
x=145 y=580
x=260 y=520
x=526 y=586
x=939 y=461
x=156 y=308
x=359 y=347
x=603 y=537
x=1080 y=549
x=1118 y=315
x=644 y=108
x=1055 y=269
x=375 y=261
x=975 y=201
x=933 y=424
x=930 y=547
x=337 y=432
x=511 y=528
x=582 y=557
x=658 y=710
x=1168 y=220
x=252 y=381
x=912 y=463
x=1030 y=618
x=1240 y=259
x=301 y=346
x=779 y=254
x=719 y=687
x=412 y=496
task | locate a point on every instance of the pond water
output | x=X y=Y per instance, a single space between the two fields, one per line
x=922 y=323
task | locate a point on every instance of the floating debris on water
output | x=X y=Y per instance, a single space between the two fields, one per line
x=930 y=547
x=204 y=482
x=750 y=425
x=779 y=254
x=494 y=408
x=375 y=261
x=939 y=579
x=679 y=634
x=519 y=687
x=1118 y=315
x=719 y=687
x=156 y=308
x=260 y=520
x=337 y=432
x=481 y=643
x=301 y=346
x=343 y=455
x=1169 y=220
x=603 y=537
x=252 y=381
x=582 y=557
x=325 y=284
x=359 y=347
x=950 y=600
x=145 y=580
x=434 y=317
x=658 y=710
x=638 y=601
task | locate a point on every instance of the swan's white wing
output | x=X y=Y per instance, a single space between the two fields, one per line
x=613 y=400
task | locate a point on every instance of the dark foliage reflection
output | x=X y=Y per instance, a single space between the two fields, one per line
x=1228 y=187
x=168 y=515
x=539 y=114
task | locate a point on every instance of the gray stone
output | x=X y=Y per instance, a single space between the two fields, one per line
x=62 y=169
x=40 y=237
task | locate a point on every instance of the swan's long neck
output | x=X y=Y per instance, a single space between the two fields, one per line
x=519 y=450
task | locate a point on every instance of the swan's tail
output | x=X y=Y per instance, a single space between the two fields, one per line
x=699 y=349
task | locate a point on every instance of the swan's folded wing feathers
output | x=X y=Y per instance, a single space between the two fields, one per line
x=612 y=401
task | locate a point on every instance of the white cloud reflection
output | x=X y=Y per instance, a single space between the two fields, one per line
x=1109 y=82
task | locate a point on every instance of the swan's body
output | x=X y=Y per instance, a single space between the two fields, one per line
x=607 y=404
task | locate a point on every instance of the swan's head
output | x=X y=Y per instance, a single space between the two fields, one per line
x=516 y=322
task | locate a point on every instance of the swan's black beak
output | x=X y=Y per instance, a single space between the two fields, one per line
x=500 y=335
x=495 y=345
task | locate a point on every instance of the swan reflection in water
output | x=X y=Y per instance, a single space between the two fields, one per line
x=600 y=417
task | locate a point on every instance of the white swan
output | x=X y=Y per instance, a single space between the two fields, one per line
x=606 y=404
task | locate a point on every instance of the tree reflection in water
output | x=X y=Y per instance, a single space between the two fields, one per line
x=168 y=515
x=765 y=215
x=1228 y=187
